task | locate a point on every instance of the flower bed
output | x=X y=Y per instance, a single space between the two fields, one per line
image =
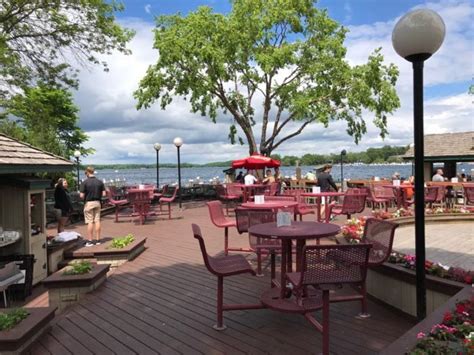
x=402 y=212
x=448 y=330
x=455 y=334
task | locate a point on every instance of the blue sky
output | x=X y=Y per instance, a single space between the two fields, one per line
x=121 y=134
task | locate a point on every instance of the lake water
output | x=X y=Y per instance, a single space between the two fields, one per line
x=206 y=174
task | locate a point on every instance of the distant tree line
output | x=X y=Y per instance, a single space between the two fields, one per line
x=386 y=154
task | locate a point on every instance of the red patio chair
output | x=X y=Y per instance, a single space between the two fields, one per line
x=247 y=217
x=168 y=200
x=468 y=190
x=380 y=234
x=303 y=208
x=118 y=204
x=378 y=197
x=431 y=194
x=221 y=267
x=140 y=201
x=158 y=194
x=272 y=189
x=353 y=202
x=223 y=194
x=219 y=220
x=327 y=268
x=441 y=196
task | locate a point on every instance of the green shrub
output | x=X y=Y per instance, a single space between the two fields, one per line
x=11 y=318
x=122 y=242
x=78 y=268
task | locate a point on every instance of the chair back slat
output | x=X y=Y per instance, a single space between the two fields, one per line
x=431 y=193
x=235 y=189
x=469 y=193
x=334 y=264
x=138 y=196
x=380 y=233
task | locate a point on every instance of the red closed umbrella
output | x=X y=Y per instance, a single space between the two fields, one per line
x=256 y=161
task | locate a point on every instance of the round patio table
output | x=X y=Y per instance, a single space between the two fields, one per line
x=299 y=231
x=319 y=195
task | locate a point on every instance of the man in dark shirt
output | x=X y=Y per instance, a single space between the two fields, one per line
x=92 y=190
x=325 y=180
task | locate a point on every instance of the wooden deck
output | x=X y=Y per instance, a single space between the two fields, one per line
x=164 y=302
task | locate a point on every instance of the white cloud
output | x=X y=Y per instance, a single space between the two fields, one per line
x=120 y=133
x=148 y=8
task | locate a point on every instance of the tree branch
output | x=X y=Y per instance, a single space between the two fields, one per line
x=298 y=131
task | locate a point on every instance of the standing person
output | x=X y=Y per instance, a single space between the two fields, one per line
x=438 y=177
x=249 y=178
x=325 y=180
x=62 y=203
x=92 y=190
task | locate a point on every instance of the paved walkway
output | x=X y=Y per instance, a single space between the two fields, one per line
x=450 y=244
x=164 y=302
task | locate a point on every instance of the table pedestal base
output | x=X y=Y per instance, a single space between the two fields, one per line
x=271 y=299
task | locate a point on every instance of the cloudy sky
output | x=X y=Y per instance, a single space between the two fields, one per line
x=121 y=134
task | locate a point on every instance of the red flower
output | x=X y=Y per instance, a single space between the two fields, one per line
x=460 y=308
x=468 y=279
x=447 y=317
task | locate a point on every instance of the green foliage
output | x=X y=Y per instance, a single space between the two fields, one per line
x=122 y=242
x=11 y=318
x=78 y=268
x=46 y=118
x=39 y=40
x=286 y=53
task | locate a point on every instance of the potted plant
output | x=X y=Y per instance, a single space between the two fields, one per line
x=20 y=327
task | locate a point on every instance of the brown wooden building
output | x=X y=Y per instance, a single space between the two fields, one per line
x=22 y=202
x=446 y=149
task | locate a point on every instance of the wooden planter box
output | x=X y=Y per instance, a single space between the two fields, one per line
x=396 y=286
x=105 y=254
x=19 y=339
x=436 y=218
x=408 y=340
x=65 y=290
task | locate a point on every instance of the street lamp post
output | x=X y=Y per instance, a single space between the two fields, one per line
x=416 y=36
x=178 y=142
x=77 y=154
x=157 y=147
x=343 y=152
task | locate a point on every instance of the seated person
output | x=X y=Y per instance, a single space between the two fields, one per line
x=269 y=177
x=249 y=178
x=240 y=177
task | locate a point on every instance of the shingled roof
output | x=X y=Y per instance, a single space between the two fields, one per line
x=447 y=146
x=18 y=157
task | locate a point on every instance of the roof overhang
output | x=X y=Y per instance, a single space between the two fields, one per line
x=459 y=158
x=33 y=168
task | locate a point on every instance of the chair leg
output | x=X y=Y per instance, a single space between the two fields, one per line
x=259 y=263
x=5 y=298
x=116 y=213
x=169 y=210
x=272 y=265
x=325 y=322
x=226 y=241
x=363 y=314
x=220 y=304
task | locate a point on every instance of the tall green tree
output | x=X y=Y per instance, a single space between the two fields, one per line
x=40 y=38
x=46 y=118
x=286 y=56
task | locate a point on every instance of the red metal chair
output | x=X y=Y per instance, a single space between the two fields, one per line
x=378 y=197
x=221 y=267
x=168 y=200
x=272 y=189
x=353 y=202
x=141 y=202
x=468 y=190
x=441 y=196
x=247 y=217
x=118 y=204
x=303 y=208
x=219 y=220
x=431 y=194
x=327 y=268
x=223 y=194
x=380 y=234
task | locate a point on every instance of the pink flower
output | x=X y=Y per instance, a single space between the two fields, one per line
x=420 y=335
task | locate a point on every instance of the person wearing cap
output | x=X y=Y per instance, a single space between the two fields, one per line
x=325 y=180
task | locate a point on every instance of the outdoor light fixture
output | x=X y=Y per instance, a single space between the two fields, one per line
x=157 y=147
x=178 y=142
x=416 y=37
x=343 y=152
x=77 y=154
